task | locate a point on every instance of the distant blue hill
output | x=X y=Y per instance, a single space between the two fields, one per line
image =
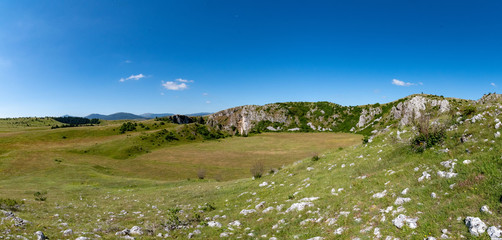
x=130 y=116
x=117 y=116
x=198 y=114
x=154 y=115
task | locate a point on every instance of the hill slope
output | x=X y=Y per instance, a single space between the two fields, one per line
x=326 y=116
x=116 y=116
x=395 y=186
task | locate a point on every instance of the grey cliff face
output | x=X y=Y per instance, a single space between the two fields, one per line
x=412 y=109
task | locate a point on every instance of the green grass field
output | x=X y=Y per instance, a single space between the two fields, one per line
x=350 y=192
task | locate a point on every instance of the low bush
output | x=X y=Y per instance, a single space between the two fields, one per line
x=10 y=204
x=257 y=169
x=428 y=134
x=40 y=196
x=201 y=173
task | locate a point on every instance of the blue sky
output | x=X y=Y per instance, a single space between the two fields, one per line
x=83 y=56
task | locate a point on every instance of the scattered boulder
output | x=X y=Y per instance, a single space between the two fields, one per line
x=299 y=206
x=247 y=211
x=82 y=238
x=124 y=232
x=214 y=224
x=40 y=235
x=136 y=231
x=380 y=194
x=494 y=233
x=425 y=175
x=68 y=232
x=401 y=200
x=195 y=232
x=485 y=209
x=475 y=225
x=402 y=219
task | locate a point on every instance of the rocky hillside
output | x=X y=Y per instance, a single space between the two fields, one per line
x=326 y=116
x=431 y=169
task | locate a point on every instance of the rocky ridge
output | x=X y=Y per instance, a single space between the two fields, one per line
x=324 y=116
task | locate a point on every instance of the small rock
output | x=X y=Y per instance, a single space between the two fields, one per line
x=405 y=191
x=401 y=200
x=40 y=235
x=402 y=219
x=122 y=233
x=136 y=231
x=339 y=231
x=494 y=233
x=67 y=232
x=433 y=195
x=235 y=223
x=467 y=161
x=485 y=209
x=380 y=194
x=425 y=175
x=299 y=206
x=195 y=232
x=247 y=211
x=263 y=184
x=82 y=238
x=475 y=225
x=214 y=224
x=260 y=205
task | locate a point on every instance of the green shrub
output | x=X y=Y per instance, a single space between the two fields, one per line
x=468 y=111
x=257 y=169
x=40 y=196
x=428 y=134
x=315 y=157
x=10 y=204
x=126 y=127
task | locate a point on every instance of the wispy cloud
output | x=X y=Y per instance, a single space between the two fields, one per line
x=184 y=80
x=398 y=82
x=208 y=102
x=493 y=84
x=177 y=85
x=133 y=77
x=205 y=94
x=127 y=61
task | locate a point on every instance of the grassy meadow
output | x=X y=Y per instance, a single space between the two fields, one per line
x=352 y=191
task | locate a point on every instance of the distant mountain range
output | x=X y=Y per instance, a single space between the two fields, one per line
x=130 y=116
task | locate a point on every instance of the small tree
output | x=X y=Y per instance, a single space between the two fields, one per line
x=257 y=169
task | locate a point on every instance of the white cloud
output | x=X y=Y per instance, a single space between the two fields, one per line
x=175 y=86
x=205 y=94
x=493 y=84
x=133 y=77
x=401 y=83
x=208 y=102
x=183 y=80
x=127 y=61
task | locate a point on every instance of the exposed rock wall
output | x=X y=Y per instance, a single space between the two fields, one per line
x=245 y=117
x=412 y=109
x=368 y=115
